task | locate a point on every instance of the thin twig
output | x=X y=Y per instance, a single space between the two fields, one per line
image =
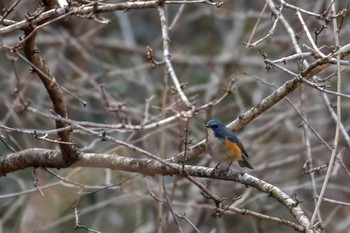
x=309 y=163
x=166 y=57
x=337 y=130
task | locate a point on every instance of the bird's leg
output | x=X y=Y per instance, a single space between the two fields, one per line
x=228 y=168
x=215 y=168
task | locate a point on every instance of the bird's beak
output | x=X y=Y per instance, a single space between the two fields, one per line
x=207 y=126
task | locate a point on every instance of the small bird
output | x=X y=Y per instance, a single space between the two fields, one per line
x=224 y=146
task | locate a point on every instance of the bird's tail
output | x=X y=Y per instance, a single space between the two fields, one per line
x=245 y=163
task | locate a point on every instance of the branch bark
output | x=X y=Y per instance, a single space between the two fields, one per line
x=37 y=157
x=69 y=152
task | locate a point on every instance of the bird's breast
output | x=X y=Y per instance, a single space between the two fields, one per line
x=219 y=150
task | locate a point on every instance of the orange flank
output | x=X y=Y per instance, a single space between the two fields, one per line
x=236 y=151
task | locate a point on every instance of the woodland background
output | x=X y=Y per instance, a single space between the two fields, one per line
x=122 y=101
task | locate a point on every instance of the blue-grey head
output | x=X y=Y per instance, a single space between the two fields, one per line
x=219 y=129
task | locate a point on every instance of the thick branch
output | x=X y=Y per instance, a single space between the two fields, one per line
x=39 y=67
x=52 y=159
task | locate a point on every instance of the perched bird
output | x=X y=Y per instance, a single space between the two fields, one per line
x=224 y=146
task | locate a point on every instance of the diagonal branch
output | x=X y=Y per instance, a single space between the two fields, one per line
x=287 y=88
x=69 y=152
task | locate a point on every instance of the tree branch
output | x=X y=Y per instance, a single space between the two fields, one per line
x=287 y=88
x=69 y=152
x=37 y=157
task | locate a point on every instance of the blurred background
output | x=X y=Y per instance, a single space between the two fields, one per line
x=100 y=62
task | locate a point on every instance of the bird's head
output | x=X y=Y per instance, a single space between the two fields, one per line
x=217 y=127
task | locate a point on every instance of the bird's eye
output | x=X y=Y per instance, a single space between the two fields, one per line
x=214 y=126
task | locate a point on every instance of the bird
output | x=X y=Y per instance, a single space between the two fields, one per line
x=223 y=146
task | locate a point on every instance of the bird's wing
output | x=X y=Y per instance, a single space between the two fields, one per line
x=231 y=137
x=234 y=139
x=242 y=148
